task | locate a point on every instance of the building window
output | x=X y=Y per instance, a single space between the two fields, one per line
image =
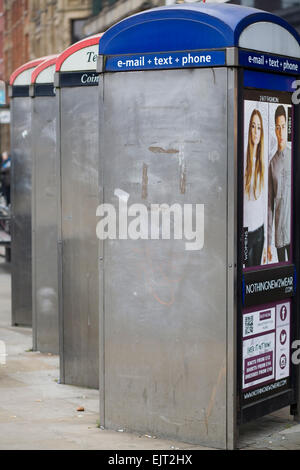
x=97 y=7
x=77 y=30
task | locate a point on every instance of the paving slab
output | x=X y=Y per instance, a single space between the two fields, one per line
x=37 y=412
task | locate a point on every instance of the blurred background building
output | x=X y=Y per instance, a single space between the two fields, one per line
x=34 y=28
x=287 y=9
x=107 y=12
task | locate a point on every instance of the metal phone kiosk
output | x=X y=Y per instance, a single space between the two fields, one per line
x=20 y=105
x=77 y=134
x=44 y=209
x=193 y=342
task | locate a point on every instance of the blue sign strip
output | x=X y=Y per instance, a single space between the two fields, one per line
x=266 y=81
x=167 y=60
x=259 y=60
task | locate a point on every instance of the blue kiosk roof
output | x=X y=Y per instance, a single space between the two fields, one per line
x=184 y=27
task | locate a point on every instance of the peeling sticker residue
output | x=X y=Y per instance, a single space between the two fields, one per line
x=161 y=150
x=145 y=182
x=182 y=178
x=182 y=170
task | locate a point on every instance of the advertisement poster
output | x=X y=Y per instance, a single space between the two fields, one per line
x=282 y=340
x=258 y=360
x=258 y=322
x=267 y=178
x=266 y=345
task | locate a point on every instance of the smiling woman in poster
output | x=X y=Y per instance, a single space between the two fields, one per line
x=255 y=193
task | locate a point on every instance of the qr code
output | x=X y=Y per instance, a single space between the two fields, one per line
x=249 y=325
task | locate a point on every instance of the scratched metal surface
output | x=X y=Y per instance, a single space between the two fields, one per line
x=44 y=225
x=79 y=194
x=21 y=211
x=163 y=139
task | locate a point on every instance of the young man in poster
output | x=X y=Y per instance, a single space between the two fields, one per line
x=279 y=191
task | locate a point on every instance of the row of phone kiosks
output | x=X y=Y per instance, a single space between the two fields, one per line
x=165 y=223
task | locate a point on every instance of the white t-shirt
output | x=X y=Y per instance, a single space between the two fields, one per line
x=254 y=209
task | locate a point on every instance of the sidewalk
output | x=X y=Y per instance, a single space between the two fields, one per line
x=36 y=412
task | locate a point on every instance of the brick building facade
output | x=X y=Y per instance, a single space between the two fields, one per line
x=36 y=28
